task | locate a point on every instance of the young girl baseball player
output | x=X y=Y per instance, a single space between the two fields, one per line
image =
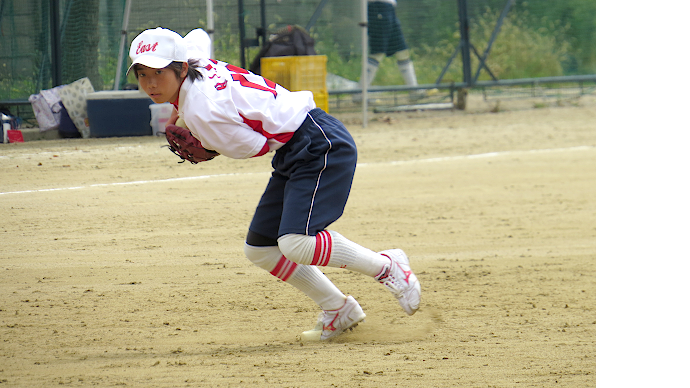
x=242 y=115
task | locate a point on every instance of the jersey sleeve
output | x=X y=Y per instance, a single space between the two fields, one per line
x=216 y=131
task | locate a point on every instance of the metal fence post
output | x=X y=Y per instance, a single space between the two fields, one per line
x=123 y=44
x=365 y=55
x=240 y=14
x=465 y=42
x=55 y=42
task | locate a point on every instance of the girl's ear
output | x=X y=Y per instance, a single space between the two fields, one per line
x=185 y=69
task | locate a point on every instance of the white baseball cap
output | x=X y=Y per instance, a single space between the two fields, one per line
x=157 y=48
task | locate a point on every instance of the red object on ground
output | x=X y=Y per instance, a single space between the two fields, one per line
x=15 y=136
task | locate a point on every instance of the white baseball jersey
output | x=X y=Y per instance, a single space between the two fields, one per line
x=240 y=114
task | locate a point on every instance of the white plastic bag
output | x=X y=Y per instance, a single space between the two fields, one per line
x=46 y=107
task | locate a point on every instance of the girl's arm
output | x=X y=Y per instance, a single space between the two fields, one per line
x=173 y=118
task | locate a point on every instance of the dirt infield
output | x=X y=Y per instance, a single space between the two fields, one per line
x=121 y=267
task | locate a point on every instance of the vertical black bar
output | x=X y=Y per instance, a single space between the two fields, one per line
x=240 y=12
x=316 y=14
x=263 y=23
x=465 y=41
x=56 y=57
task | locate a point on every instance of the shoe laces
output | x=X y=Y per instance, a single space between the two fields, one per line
x=388 y=279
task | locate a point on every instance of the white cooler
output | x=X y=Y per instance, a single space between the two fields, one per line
x=160 y=113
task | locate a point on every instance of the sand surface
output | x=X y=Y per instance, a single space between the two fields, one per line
x=121 y=267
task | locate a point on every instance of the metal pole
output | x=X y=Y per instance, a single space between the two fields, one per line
x=445 y=69
x=365 y=51
x=482 y=64
x=264 y=32
x=316 y=15
x=465 y=41
x=240 y=13
x=55 y=42
x=123 y=41
x=210 y=28
x=65 y=15
x=494 y=34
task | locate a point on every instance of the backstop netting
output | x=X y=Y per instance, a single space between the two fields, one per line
x=539 y=38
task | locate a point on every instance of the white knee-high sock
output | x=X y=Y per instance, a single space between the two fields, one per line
x=331 y=249
x=373 y=66
x=407 y=70
x=310 y=280
x=317 y=286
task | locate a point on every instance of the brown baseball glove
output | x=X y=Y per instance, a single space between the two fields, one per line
x=186 y=146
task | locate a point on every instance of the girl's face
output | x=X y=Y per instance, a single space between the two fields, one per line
x=162 y=85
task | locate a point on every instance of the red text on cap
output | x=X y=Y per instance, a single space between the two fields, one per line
x=142 y=48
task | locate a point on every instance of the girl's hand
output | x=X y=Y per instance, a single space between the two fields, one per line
x=173 y=118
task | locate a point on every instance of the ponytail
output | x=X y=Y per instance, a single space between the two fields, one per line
x=193 y=74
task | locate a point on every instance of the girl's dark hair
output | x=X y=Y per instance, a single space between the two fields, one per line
x=192 y=73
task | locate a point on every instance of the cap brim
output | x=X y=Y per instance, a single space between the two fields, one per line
x=150 y=61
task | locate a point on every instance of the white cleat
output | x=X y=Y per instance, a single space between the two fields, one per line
x=401 y=281
x=332 y=323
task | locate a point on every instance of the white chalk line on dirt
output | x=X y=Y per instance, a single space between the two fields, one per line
x=476 y=156
x=391 y=163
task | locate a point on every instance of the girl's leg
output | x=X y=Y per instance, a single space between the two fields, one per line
x=331 y=249
x=390 y=268
x=339 y=314
x=308 y=279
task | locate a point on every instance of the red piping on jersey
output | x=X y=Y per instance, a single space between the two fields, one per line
x=177 y=100
x=258 y=126
x=264 y=150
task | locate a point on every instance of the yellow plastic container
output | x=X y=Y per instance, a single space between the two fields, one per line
x=302 y=72
x=321 y=100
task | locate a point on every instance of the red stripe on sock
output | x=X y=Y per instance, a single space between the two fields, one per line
x=284 y=269
x=329 y=245
x=322 y=252
x=317 y=250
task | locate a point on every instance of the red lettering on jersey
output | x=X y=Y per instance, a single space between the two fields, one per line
x=236 y=69
x=248 y=84
x=213 y=73
x=214 y=61
x=221 y=86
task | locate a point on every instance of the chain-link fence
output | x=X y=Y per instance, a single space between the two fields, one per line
x=45 y=43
